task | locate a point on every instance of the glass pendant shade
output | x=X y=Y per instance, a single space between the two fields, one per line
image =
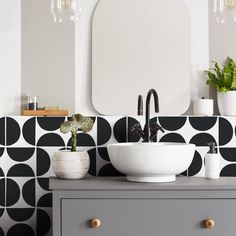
x=65 y=10
x=225 y=10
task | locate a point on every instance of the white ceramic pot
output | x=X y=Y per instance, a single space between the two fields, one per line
x=227 y=103
x=70 y=165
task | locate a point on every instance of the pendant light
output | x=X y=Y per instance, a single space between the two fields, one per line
x=63 y=10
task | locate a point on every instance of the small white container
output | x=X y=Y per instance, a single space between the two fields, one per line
x=203 y=107
x=212 y=163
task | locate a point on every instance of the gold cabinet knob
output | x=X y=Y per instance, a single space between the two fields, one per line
x=209 y=223
x=95 y=223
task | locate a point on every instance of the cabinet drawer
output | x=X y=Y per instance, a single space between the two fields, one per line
x=148 y=217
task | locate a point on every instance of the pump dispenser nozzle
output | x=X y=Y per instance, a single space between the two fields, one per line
x=212 y=147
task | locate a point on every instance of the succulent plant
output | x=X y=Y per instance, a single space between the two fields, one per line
x=74 y=124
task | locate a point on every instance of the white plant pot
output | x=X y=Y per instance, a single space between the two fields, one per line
x=227 y=103
x=70 y=165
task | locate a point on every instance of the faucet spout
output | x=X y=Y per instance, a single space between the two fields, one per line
x=148 y=134
x=156 y=106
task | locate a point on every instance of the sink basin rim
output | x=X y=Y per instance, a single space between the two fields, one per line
x=150 y=144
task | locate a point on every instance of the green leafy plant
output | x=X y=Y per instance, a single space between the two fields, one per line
x=74 y=124
x=223 y=78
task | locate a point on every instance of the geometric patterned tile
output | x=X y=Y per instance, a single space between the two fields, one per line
x=44 y=216
x=3 y=193
x=48 y=134
x=43 y=194
x=172 y=123
x=203 y=123
x=102 y=158
x=227 y=136
x=50 y=123
x=20 y=221
x=108 y=170
x=4 y=165
x=104 y=166
x=50 y=137
x=43 y=161
x=176 y=130
x=20 y=131
x=203 y=130
x=20 y=214
x=20 y=192
x=104 y=131
x=51 y=140
x=228 y=153
x=19 y=161
x=2 y=131
x=196 y=167
x=229 y=170
x=227 y=161
x=111 y=129
x=83 y=140
x=93 y=161
x=3 y=222
x=27 y=146
x=92 y=133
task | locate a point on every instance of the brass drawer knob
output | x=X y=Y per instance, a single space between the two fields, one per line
x=209 y=223
x=95 y=223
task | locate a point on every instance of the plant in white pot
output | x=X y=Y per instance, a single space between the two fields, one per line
x=224 y=80
x=72 y=164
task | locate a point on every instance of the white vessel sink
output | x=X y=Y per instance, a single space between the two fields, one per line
x=151 y=162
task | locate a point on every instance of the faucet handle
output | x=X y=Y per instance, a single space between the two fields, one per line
x=140 y=105
x=138 y=129
x=135 y=127
x=156 y=127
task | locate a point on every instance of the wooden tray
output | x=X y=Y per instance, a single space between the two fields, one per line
x=45 y=113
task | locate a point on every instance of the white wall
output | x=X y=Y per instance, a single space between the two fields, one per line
x=222 y=38
x=83 y=58
x=48 y=56
x=10 y=57
x=198 y=11
x=222 y=41
x=52 y=55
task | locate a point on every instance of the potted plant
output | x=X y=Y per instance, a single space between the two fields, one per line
x=224 y=80
x=72 y=164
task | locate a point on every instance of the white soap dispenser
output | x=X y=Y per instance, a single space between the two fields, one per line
x=212 y=163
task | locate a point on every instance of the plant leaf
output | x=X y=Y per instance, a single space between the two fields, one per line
x=234 y=79
x=85 y=123
x=69 y=126
x=223 y=79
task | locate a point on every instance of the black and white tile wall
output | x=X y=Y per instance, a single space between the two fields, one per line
x=27 y=144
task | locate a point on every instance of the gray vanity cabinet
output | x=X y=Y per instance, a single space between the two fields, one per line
x=114 y=207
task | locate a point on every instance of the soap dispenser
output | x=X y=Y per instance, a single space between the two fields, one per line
x=212 y=163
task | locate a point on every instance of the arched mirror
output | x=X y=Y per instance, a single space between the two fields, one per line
x=138 y=45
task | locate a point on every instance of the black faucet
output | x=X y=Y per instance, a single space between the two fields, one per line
x=150 y=131
x=156 y=103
